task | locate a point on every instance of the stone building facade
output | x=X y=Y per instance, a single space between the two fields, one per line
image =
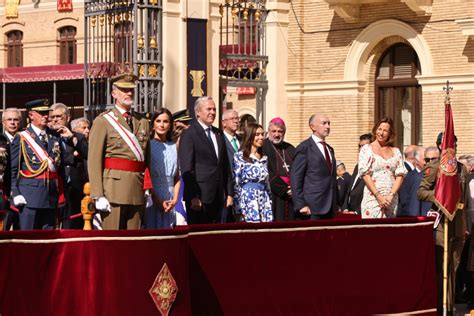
x=335 y=58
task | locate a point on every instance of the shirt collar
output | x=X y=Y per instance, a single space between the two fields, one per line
x=121 y=111
x=316 y=139
x=10 y=136
x=36 y=129
x=230 y=137
x=204 y=126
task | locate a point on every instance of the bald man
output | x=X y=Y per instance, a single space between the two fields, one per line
x=410 y=160
x=313 y=173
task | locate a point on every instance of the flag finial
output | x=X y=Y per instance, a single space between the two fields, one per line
x=447 y=89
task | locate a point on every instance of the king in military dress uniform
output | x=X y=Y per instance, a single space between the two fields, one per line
x=118 y=151
x=36 y=173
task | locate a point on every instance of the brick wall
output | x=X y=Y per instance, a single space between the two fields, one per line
x=320 y=55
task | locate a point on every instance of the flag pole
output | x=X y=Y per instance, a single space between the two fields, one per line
x=445 y=267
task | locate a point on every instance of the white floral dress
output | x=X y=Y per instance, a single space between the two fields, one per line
x=252 y=195
x=383 y=173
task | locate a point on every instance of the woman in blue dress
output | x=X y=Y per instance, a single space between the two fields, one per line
x=252 y=189
x=163 y=172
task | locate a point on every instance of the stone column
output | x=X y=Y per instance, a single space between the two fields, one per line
x=277 y=51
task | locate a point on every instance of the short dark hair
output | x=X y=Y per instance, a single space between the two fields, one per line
x=389 y=121
x=367 y=136
x=439 y=139
x=169 y=134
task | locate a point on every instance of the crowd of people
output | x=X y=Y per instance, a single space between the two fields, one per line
x=171 y=169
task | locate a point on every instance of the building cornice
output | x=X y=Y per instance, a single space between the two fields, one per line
x=349 y=10
x=467 y=26
x=436 y=83
x=327 y=87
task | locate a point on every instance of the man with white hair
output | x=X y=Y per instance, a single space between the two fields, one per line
x=409 y=204
x=280 y=158
x=11 y=120
x=205 y=167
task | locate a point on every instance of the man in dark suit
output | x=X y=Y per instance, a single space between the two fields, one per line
x=408 y=204
x=230 y=125
x=355 y=194
x=205 y=166
x=313 y=174
x=74 y=146
x=343 y=180
x=36 y=157
x=410 y=160
x=11 y=120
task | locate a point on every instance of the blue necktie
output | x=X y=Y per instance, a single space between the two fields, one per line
x=208 y=132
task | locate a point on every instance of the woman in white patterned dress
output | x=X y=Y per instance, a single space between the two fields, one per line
x=252 y=197
x=382 y=169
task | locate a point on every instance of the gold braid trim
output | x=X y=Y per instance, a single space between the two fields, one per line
x=34 y=173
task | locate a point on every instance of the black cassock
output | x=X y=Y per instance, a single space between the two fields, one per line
x=280 y=159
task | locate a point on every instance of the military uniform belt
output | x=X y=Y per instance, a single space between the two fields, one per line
x=124 y=164
x=45 y=175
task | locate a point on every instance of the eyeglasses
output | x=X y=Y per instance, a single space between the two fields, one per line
x=430 y=159
x=232 y=119
x=56 y=116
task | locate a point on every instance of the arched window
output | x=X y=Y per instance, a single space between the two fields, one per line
x=398 y=94
x=67 y=45
x=14 y=49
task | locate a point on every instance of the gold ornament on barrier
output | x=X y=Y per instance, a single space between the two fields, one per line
x=152 y=71
x=141 y=70
x=101 y=19
x=141 y=42
x=164 y=290
x=153 y=44
x=246 y=14
x=93 y=21
x=87 y=207
x=257 y=15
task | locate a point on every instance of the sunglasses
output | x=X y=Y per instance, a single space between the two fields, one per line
x=430 y=159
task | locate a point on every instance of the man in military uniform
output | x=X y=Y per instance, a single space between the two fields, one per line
x=118 y=145
x=456 y=228
x=36 y=170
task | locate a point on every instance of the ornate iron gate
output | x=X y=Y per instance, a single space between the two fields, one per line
x=243 y=59
x=122 y=36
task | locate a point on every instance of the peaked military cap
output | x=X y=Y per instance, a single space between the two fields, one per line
x=181 y=116
x=127 y=81
x=40 y=105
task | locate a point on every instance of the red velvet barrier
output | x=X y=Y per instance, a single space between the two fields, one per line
x=338 y=267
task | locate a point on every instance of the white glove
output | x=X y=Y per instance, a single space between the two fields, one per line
x=19 y=200
x=148 y=199
x=102 y=204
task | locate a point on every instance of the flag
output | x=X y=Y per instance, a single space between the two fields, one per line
x=448 y=189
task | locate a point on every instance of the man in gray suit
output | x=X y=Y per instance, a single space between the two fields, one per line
x=313 y=174
x=230 y=125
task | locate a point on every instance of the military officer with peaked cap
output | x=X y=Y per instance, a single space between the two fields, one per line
x=118 y=152
x=36 y=170
x=181 y=118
